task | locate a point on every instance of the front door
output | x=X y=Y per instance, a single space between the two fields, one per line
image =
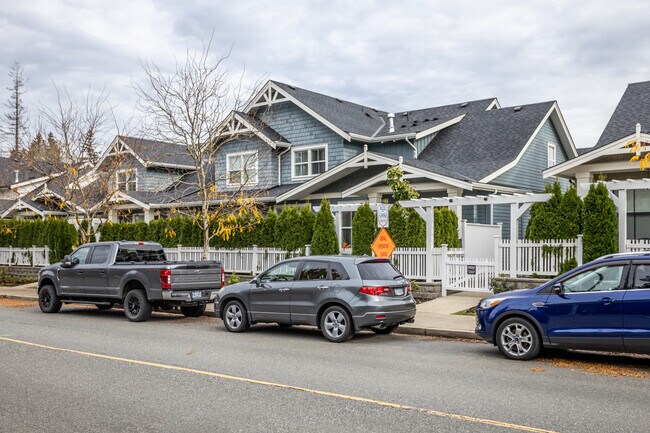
x=71 y=280
x=269 y=300
x=310 y=288
x=636 y=311
x=589 y=312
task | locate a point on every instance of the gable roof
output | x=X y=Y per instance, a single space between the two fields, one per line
x=159 y=153
x=356 y=121
x=487 y=141
x=28 y=171
x=633 y=108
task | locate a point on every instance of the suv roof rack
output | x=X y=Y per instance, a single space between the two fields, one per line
x=611 y=256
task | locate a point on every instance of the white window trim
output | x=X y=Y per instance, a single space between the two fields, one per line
x=548 y=150
x=134 y=172
x=257 y=168
x=303 y=148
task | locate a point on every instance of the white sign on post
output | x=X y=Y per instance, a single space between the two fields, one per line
x=382 y=215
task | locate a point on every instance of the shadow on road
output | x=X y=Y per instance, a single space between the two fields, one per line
x=117 y=313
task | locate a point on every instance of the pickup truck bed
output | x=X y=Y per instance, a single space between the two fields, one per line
x=134 y=274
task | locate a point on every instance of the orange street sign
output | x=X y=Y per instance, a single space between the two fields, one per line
x=383 y=244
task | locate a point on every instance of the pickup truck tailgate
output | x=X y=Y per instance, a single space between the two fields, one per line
x=196 y=277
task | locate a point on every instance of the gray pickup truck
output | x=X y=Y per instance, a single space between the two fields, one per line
x=134 y=274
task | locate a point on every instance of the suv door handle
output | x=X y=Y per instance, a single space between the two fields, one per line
x=606 y=301
x=284 y=289
x=323 y=287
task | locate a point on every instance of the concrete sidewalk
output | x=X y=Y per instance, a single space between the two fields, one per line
x=434 y=318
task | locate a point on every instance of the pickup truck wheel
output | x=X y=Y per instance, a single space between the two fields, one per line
x=137 y=307
x=105 y=306
x=48 y=300
x=193 y=311
x=384 y=330
x=235 y=318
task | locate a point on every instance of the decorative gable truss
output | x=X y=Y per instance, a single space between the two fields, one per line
x=237 y=125
x=269 y=95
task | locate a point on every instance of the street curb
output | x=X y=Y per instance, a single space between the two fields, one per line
x=426 y=332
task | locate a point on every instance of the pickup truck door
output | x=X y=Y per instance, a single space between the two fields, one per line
x=95 y=279
x=269 y=301
x=71 y=280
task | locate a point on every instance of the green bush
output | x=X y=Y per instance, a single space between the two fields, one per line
x=305 y=229
x=266 y=235
x=56 y=233
x=287 y=228
x=364 y=230
x=324 y=241
x=600 y=222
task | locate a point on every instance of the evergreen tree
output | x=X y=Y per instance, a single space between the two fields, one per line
x=570 y=215
x=324 y=241
x=397 y=225
x=88 y=147
x=266 y=237
x=286 y=228
x=364 y=230
x=16 y=118
x=305 y=229
x=544 y=222
x=600 y=222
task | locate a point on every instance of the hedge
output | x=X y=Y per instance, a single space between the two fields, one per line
x=324 y=241
x=364 y=230
x=57 y=234
x=600 y=222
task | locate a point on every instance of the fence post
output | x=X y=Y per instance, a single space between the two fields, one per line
x=11 y=256
x=32 y=259
x=579 y=250
x=497 y=255
x=254 y=261
x=443 y=270
x=180 y=252
x=308 y=250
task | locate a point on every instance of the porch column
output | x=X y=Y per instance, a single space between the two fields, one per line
x=582 y=178
x=374 y=198
x=458 y=209
x=147 y=216
x=429 y=219
x=514 y=235
x=622 y=220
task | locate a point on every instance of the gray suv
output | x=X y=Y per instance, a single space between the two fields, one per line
x=340 y=295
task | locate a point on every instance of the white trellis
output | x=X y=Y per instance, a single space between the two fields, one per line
x=519 y=204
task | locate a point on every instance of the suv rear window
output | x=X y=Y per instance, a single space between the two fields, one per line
x=377 y=271
x=133 y=254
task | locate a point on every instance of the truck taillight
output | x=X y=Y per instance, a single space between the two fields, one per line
x=375 y=291
x=223 y=277
x=409 y=288
x=166 y=279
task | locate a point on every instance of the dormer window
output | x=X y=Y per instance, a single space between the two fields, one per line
x=241 y=168
x=127 y=180
x=308 y=161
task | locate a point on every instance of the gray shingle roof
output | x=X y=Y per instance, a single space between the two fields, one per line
x=485 y=141
x=633 y=108
x=263 y=128
x=27 y=170
x=159 y=152
x=367 y=121
x=6 y=204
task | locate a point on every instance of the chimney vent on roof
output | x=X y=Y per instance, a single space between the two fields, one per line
x=16 y=176
x=391 y=122
x=464 y=104
x=517 y=108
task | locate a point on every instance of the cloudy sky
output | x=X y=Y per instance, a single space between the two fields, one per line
x=393 y=56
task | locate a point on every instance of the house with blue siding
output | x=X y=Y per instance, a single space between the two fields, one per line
x=292 y=145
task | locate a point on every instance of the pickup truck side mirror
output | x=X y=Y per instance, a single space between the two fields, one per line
x=66 y=263
x=558 y=289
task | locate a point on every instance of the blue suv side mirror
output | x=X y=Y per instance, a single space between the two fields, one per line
x=558 y=289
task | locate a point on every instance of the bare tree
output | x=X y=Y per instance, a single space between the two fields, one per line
x=74 y=184
x=188 y=107
x=16 y=117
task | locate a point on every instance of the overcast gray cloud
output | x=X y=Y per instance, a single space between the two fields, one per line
x=389 y=55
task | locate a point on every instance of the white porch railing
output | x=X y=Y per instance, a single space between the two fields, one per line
x=244 y=260
x=637 y=246
x=536 y=258
x=34 y=256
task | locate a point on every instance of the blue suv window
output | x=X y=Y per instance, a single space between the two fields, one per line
x=642 y=277
x=604 y=278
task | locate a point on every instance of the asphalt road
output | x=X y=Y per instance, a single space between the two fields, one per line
x=86 y=370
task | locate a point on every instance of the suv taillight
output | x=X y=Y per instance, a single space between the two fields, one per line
x=166 y=279
x=375 y=291
x=223 y=277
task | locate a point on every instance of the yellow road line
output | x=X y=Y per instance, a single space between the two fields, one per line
x=291 y=387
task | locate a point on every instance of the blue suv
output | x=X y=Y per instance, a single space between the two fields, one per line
x=603 y=305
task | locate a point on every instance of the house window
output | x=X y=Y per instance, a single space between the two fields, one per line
x=552 y=155
x=127 y=180
x=242 y=168
x=346 y=229
x=309 y=161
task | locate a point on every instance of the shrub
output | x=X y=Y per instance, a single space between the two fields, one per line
x=364 y=230
x=324 y=240
x=266 y=236
x=599 y=219
x=286 y=229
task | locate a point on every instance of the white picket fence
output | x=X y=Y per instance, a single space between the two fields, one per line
x=412 y=261
x=536 y=258
x=637 y=246
x=243 y=261
x=470 y=275
x=34 y=256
